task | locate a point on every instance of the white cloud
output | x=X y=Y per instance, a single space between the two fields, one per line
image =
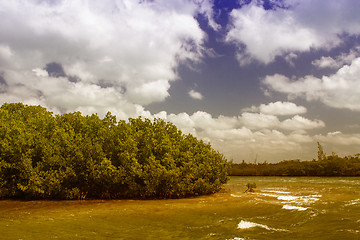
x=340 y=90
x=340 y=143
x=206 y=7
x=267 y=34
x=265 y=117
x=259 y=120
x=326 y=62
x=290 y=58
x=5 y=55
x=237 y=141
x=40 y=72
x=294 y=88
x=124 y=45
x=282 y=108
x=339 y=61
x=301 y=123
x=146 y=93
x=240 y=137
x=125 y=56
x=339 y=138
x=231 y=134
x=262 y=34
x=195 y=95
x=269 y=145
x=60 y=95
x=277 y=108
x=204 y=121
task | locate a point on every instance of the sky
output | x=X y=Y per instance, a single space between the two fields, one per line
x=258 y=80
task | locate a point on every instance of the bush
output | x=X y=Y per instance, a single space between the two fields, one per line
x=72 y=156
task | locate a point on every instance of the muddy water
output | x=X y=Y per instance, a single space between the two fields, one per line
x=280 y=208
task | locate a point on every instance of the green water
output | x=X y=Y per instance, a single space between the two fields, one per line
x=281 y=208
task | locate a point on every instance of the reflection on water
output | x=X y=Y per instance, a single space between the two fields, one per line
x=280 y=208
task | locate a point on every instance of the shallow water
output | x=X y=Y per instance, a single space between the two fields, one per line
x=280 y=208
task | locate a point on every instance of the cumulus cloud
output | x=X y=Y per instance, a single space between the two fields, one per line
x=201 y=121
x=60 y=95
x=339 y=61
x=327 y=62
x=301 y=123
x=206 y=8
x=340 y=90
x=119 y=56
x=265 y=121
x=266 y=34
x=111 y=54
x=195 y=95
x=257 y=130
x=270 y=145
x=262 y=35
x=40 y=72
x=282 y=108
x=265 y=116
x=259 y=120
x=290 y=58
x=340 y=143
x=278 y=108
x=5 y=55
x=240 y=137
x=339 y=138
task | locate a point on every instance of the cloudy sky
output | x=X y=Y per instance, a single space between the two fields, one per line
x=258 y=79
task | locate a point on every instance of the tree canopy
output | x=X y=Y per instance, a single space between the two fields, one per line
x=331 y=165
x=71 y=156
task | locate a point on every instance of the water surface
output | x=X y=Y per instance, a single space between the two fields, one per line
x=280 y=208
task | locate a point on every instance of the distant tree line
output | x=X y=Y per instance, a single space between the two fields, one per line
x=331 y=165
x=70 y=156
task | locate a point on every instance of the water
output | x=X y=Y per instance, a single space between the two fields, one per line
x=280 y=208
x=301 y=208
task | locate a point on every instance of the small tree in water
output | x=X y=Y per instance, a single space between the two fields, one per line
x=250 y=187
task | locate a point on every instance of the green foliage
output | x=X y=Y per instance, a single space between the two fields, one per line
x=250 y=187
x=331 y=165
x=71 y=156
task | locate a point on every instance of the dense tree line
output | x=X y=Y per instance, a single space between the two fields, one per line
x=331 y=165
x=71 y=156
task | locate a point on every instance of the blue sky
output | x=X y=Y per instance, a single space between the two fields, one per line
x=254 y=78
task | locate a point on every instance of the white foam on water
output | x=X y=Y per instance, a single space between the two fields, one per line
x=233 y=195
x=269 y=195
x=353 y=202
x=289 y=207
x=246 y=225
x=275 y=191
x=287 y=198
x=316 y=196
x=310 y=200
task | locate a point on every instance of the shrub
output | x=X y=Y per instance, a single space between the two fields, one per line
x=74 y=156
